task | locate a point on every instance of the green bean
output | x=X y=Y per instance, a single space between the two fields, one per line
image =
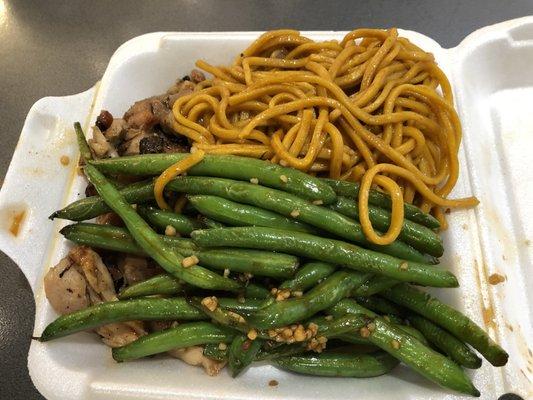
x=272 y=350
x=419 y=236
x=163 y=284
x=289 y=205
x=85 y=151
x=255 y=291
x=235 y=167
x=120 y=311
x=161 y=219
x=379 y=199
x=405 y=347
x=242 y=352
x=244 y=306
x=324 y=295
x=215 y=352
x=230 y=319
x=184 y=335
x=446 y=342
x=308 y=276
x=211 y=223
x=342 y=325
x=327 y=250
x=93 y=206
x=450 y=319
x=257 y=262
x=236 y=214
x=166 y=284
x=375 y=284
x=339 y=364
x=379 y=305
x=151 y=243
x=411 y=331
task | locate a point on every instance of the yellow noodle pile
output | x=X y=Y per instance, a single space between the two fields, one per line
x=372 y=108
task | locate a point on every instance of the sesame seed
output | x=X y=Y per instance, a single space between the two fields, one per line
x=188 y=262
x=318 y=202
x=222 y=346
x=170 y=230
x=295 y=213
x=252 y=334
x=283 y=178
x=395 y=344
x=255 y=181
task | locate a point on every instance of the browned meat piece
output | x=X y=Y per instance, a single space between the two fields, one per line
x=137 y=269
x=104 y=120
x=116 y=131
x=140 y=115
x=181 y=88
x=122 y=333
x=197 y=76
x=66 y=287
x=194 y=355
x=109 y=219
x=81 y=279
x=133 y=138
x=100 y=146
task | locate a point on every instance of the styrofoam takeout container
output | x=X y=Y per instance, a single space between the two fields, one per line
x=493 y=83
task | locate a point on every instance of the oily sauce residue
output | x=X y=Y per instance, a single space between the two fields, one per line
x=495 y=279
x=16 y=222
x=488 y=317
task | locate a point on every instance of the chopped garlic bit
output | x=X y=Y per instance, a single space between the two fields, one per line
x=255 y=181
x=283 y=178
x=211 y=303
x=170 y=230
x=295 y=213
x=188 y=262
x=318 y=202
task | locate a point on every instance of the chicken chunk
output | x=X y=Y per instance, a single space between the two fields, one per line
x=194 y=355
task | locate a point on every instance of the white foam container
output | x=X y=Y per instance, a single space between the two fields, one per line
x=492 y=77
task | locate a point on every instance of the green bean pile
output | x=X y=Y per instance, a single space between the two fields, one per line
x=305 y=290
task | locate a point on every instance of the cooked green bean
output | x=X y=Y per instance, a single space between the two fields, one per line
x=327 y=250
x=308 y=276
x=224 y=166
x=272 y=350
x=339 y=364
x=120 y=311
x=215 y=351
x=93 y=206
x=163 y=284
x=292 y=206
x=379 y=199
x=405 y=347
x=446 y=342
x=236 y=214
x=184 y=335
x=161 y=219
x=242 y=352
x=280 y=313
x=85 y=151
x=244 y=306
x=166 y=284
x=211 y=223
x=419 y=236
x=379 y=305
x=257 y=262
x=150 y=241
x=375 y=284
x=450 y=319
